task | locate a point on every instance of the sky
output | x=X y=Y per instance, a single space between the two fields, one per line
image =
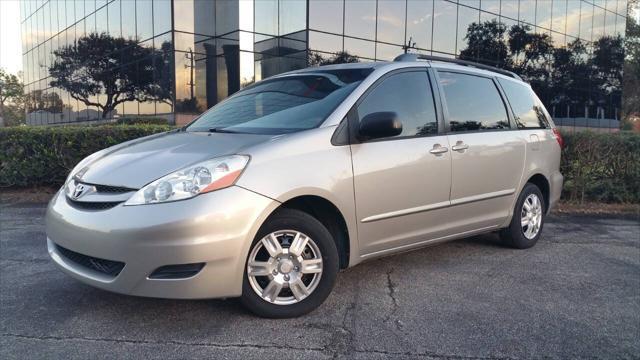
x=10 y=43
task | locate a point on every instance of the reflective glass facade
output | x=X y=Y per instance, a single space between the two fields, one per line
x=136 y=53
x=176 y=58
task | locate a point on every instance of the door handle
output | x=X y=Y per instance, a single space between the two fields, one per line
x=438 y=149
x=460 y=146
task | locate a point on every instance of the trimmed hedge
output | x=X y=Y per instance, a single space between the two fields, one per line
x=597 y=166
x=43 y=155
x=142 y=121
x=601 y=167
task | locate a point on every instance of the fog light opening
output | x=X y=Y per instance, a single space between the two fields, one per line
x=179 y=271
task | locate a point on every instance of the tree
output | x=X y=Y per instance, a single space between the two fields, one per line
x=37 y=100
x=13 y=115
x=342 y=57
x=513 y=48
x=570 y=78
x=486 y=44
x=117 y=69
x=608 y=60
x=631 y=79
x=566 y=75
x=530 y=54
x=11 y=98
x=529 y=51
x=163 y=73
x=608 y=64
x=12 y=110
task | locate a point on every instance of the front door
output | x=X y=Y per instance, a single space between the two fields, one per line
x=402 y=183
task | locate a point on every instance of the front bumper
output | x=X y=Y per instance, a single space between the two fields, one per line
x=215 y=228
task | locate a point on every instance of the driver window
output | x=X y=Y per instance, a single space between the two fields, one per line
x=409 y=95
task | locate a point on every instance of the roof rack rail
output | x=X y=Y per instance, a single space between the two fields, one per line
x=416 y=57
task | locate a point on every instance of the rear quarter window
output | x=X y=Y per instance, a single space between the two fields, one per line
x=527 y=108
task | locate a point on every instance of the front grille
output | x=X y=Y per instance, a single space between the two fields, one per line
x=112 y=189
x=109 y=190
x=107 y=267
x=93 y=205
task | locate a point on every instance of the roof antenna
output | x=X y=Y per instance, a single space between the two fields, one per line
x=409 y=45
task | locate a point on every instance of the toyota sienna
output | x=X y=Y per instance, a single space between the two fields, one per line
x=267 y=195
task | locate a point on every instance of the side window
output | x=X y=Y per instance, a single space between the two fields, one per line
x=526 y=107
x=409 y=95
x=474 y=103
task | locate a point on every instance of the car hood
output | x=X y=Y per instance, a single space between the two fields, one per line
x=136 y=163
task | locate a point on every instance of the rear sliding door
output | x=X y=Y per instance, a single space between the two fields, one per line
x=487 y=154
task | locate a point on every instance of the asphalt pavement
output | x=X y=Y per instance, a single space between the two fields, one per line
x=574 y=295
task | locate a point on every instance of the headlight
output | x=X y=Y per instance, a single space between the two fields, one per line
x=196 y=179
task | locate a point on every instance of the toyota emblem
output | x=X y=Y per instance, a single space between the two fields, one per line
x=79 y=191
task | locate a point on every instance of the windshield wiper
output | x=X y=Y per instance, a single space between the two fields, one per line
x=222 y=130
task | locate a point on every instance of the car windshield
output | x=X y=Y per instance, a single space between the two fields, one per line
x=282 y=105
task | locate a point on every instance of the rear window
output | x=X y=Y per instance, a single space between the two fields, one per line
x=474 y=103
x=527 y=108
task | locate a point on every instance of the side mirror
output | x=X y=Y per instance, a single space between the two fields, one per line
x=380 y=125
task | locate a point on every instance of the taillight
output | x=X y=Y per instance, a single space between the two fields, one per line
x=559 y=138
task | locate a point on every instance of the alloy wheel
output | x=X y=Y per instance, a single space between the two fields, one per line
x=284 y=267
x=531 y=216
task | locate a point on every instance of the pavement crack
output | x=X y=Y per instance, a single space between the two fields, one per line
x=342 y=341
x=342 y=337
x=165 y=342
x=429 y=355
x=41 y=261
x=337 y=354
x=392 y=292
x=347 y=340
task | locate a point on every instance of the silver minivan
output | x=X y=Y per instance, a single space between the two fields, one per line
x=267 y=195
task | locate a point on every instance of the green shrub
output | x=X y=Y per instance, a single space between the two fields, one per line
x=601 y=167
x=44 y=155
x=597 y=166
x=142 y=121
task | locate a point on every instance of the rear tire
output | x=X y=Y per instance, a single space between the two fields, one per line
x=527 y=220
x=291 y=266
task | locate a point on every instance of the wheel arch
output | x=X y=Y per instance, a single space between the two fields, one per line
x=542 y=183
x=329 y=215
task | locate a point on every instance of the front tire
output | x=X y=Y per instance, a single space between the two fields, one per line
x=291 y=267
x=527 y=220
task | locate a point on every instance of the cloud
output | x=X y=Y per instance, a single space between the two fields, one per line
x=391 y=20
x=421 y=19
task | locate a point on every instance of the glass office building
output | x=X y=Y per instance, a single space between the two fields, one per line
x=176 y=58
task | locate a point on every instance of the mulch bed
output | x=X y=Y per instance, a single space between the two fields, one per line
x=591 y=208
x=41 y=194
